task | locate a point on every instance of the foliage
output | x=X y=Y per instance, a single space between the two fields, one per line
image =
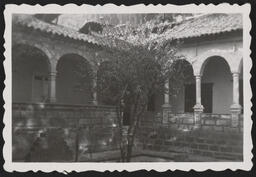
x=135 y=70
x=181 y=73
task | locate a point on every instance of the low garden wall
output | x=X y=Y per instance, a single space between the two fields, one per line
x=215 y=138
x=52 y=132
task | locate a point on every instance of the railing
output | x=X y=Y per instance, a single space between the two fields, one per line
x=59 y=105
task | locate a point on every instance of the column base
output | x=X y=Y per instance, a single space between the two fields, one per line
x=94 y=102
x=198 y=110
x=52 y=100
x=235 y=110
x=166 y=106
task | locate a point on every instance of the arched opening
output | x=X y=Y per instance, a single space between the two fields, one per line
x=182 y=87
x=30 y=69
x=217 y=86
x=74 y=80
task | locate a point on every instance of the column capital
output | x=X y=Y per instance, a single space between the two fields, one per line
x=235 y=74
x=198 y=76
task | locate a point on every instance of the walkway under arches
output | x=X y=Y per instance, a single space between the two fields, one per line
x=216 y=87
x=30 y=68
x=74 y=80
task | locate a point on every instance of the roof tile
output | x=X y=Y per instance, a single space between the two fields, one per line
x=32 y=22
x=204 y=25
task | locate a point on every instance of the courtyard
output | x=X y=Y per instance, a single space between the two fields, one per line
x=62 y=113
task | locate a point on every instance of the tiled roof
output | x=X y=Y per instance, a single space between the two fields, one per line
x=32 y=22
x=208 y=24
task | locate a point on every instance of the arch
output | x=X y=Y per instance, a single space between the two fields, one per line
x=26 y=46
x=186 y=65
x=39 y=46
x=78 y=55
x=182 y=86
x=209 y=59
x=30 y=68
x=232 y=58
x=216 y=85
x=74 y=80
x=72 y=51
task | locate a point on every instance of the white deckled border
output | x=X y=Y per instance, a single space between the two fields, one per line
x=140 y=8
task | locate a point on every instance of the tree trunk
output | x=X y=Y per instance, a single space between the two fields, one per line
x=134 y=129
x=121 y=144
x=129 y=148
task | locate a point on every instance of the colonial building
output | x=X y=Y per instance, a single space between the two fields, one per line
x=47 y=60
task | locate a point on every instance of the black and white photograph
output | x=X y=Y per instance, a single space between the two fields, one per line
x=105 y=87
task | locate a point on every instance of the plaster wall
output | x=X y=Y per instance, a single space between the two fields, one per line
x=192 y=50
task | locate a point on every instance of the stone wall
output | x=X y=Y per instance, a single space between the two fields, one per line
x=215 y=138
x=50 y=132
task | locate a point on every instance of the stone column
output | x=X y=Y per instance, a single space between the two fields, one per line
x=235 y=108
x=198 y=108
x=166 y=106
x=52 y=86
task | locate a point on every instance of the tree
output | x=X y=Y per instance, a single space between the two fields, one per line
x=137 y=68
